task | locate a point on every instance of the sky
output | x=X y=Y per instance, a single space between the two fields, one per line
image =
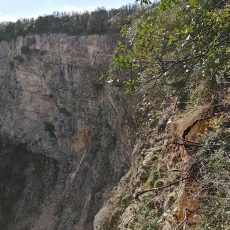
x=11 y=10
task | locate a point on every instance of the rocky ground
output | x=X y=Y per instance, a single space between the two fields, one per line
x=171 y=184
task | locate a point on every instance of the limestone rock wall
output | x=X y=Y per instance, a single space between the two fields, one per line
x=52 y=103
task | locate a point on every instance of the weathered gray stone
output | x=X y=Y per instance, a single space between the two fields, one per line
x=52 y=101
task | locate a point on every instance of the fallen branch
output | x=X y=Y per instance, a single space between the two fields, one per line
x=188 y=144
x=162 y=187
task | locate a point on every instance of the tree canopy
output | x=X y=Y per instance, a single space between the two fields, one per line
x=177 y=44
x=98 y=21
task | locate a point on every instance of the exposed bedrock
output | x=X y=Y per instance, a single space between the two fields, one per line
x=65 y=136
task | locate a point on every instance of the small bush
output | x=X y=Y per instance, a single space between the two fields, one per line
x=19 y=59
x=26 y=50
x=49 y=127
x=29 y=51
x=159 y=183
x=65 y=112
x=214 y=166
x=11 y=64
x=146 y=219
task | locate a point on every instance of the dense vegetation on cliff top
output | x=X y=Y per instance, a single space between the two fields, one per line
x=176 y=43
x=98 y=21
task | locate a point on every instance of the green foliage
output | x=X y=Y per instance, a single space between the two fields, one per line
x=216 y=215
x=218 y=165
x=159 y=183
x=174 y=42
x=98 y=21
x=146 y=218
x=182 y=99
x=214 y=168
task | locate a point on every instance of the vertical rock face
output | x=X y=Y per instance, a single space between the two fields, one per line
x=63 y=133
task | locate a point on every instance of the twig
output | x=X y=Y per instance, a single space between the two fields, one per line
x=187 y=144
x=192 y=142
x=186 y=59
x=163 y=187
x=169 y=68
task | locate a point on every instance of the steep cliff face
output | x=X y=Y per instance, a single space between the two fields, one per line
x=179 y=177
x=63 y=133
